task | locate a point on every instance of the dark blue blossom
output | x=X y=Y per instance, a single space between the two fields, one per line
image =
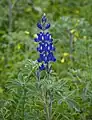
x=44 y=19
x=42 y=67
x=45 y=46
x=43 y=37
x=47 y=26
x=39 y=25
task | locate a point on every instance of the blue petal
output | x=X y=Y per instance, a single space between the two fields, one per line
x=40 y=48
x=45 y=46
x=47 y=37
x=39 y=25
x=47 y=33
x=40 y=36
x=39 y=60
x=50 y=38
x=42 y=56
x=36 y=40
x=52 y=48
x=44 y=19
x=51 y=57
x=42 y=67
x=47 y=26
x=41 y=33
x=46 y=59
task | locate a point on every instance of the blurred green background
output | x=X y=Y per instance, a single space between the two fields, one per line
x=71 y=27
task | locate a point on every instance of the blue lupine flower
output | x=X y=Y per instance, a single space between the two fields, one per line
x=45 y=46
x=39 y=25
x=47 y=26
x=42 y=67
x=43 y=37
x=44 y=19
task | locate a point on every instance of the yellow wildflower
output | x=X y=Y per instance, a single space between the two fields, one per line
x=27 y=33
x=72 y=31
x=19 y=46
x=85 y=37
x=66 y=54
x=62 y=60
x=35 y=36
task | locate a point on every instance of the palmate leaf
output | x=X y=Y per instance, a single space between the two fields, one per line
x=5 y=113
x=73 y=104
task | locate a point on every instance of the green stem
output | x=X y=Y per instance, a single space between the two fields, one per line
x=50 y=104
x=49 y=96
x=46 y=107
x=71 y=44
x=10 y=15
x=24 y=95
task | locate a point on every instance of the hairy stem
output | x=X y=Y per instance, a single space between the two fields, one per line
x=49 y=98
x=46 y=96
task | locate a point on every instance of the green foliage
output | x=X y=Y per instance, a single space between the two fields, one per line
x=22 y=96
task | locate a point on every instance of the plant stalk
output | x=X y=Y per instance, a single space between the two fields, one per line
x=24 y=96
x=10 y=16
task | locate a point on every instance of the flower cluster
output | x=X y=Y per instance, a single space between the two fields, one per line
x=45 y=47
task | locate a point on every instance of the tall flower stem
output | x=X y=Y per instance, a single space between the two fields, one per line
x=46 y=97
x=49 y=94
x=43 y=94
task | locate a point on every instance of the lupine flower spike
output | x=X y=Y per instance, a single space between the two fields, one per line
x=45 y=46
